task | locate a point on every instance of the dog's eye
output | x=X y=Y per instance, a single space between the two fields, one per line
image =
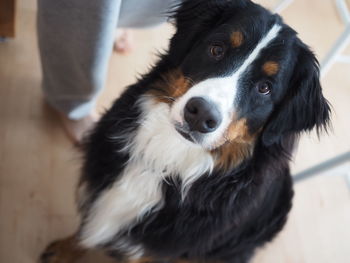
x=217 y=50
x=264 y=87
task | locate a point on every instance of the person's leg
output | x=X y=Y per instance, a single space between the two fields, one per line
x=75 y=41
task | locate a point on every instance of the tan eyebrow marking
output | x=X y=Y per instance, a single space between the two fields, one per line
x=237 y=38
x=270 y=68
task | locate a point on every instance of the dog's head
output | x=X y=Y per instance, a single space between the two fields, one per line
x=240 y=73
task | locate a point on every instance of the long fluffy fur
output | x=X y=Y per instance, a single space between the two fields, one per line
x=147 y=192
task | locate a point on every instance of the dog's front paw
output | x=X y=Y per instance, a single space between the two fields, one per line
x=62 y=251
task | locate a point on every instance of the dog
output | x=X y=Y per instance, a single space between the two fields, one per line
x=191 y=163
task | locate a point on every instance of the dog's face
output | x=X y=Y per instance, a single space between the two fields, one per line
x=240 y=73
x=236 y=75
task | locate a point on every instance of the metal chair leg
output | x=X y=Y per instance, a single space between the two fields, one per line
x=335 y=52
x=323 y=166
x=343 y=10
x=282 y=5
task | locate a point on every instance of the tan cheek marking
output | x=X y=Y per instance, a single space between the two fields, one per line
x=238 y=131
x=239 y=145
x=270 y=68
x=237 y=39
x=231 y=154
x=171 y=86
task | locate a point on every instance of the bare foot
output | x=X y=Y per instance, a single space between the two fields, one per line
x=123 y=42
x=77 y=129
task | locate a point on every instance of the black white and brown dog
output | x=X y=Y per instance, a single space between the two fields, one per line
x=191 y=163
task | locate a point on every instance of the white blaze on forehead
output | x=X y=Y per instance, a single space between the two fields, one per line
x=264 y=42
x=222 y=91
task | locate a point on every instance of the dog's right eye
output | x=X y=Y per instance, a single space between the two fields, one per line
x=217 y=50
x=264 y=87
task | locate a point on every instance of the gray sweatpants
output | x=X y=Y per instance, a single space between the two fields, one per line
x=75 y=42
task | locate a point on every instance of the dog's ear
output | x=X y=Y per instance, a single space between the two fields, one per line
x=194 y=17
x=304 y=106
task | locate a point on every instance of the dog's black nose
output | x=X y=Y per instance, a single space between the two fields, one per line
x=202 y=115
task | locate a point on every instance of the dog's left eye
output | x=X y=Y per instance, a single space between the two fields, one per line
x=217 y=50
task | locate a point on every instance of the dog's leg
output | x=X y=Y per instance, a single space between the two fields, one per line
x=62 y=251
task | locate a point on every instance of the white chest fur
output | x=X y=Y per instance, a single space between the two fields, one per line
x=156 y=151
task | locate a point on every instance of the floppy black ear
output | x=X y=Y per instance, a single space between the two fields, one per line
x=304 y=106
x=194 y=17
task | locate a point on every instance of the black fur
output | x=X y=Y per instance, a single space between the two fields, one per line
x=304 y=106
x=228 y=214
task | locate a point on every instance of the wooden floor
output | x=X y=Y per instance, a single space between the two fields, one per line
x=39 y=167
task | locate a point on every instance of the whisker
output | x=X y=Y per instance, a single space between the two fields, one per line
x=168 y=98
x=190 y=80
